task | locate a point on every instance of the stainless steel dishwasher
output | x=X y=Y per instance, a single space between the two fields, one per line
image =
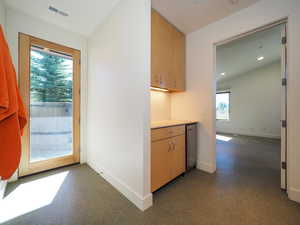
x=191 y=146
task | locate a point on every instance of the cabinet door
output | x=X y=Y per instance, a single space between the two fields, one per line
x=178 y=61
x=177 y=156
x=160 y=163
x=161 y=51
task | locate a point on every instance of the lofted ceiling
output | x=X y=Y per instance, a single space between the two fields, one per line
x=84 y=15
x=240 y=56
x=190 y=15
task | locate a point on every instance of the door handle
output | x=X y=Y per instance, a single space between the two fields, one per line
x=173 y=144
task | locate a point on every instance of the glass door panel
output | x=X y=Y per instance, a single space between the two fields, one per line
x=51 y=85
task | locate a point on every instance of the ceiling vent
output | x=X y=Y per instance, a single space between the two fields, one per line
x=234 y=2
x=198 y=1
x=55 y=10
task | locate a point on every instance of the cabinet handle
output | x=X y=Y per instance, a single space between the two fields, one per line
x=170 y=146
x=173 y=144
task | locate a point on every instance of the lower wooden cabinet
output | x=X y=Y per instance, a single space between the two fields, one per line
x=168 y=159
x=160 y=163
x=177 y=156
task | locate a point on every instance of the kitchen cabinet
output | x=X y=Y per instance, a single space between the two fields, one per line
x=160 y=163
x=161 y=51
x=178 y=62
x=167 y=54
x=168 y=155
x=177 y=156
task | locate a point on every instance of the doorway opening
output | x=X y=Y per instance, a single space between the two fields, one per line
x=50 y=87
x=251 y=105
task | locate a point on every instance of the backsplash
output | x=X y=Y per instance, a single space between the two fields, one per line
x=160 y=106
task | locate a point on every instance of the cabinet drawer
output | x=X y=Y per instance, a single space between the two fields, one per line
x=167 y=132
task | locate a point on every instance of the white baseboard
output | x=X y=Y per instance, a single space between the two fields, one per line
x=147 y=202
x=2 y=188
x=14 y=177
x=142 y=203
x=294 y=194
x=207 y=167
x=263 y=135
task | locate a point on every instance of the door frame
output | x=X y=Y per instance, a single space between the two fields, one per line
x=25 y=43
x=284 y=108
x=284 y=74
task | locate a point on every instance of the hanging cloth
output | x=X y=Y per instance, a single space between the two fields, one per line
x=12 y=114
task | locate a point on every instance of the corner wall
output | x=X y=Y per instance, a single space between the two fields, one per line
x=118 y=128
x=255 y=103
x=198 y=102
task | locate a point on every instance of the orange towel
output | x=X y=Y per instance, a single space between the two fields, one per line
x=12 y=114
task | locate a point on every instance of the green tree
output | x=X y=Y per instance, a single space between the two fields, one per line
x=51 y=78
x=222 y=107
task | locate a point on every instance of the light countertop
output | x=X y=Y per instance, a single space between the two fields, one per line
x=170 y=123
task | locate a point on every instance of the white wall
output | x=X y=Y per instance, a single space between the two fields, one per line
x=160 y=106
x=119 y=101
x=2 y=22
x=255 y=103
x=2 y=14
x=198 y=102
x=18 y=22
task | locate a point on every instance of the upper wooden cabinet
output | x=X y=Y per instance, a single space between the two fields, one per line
x=161 y=52
x=167 y=55
x=178 y=61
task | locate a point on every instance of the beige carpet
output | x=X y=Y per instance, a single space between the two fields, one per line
x=244 y=191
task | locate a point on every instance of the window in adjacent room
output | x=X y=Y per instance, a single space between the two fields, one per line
x=222 y=105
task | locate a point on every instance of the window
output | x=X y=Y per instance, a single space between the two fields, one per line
x=222 y=105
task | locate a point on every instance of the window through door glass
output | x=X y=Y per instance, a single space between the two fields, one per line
x=222 y=106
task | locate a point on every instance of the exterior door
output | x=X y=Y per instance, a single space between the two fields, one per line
x=284 y=109
x=49 y=76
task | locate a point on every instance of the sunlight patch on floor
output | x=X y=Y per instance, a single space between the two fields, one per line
x=223 y=138
x=31 y=196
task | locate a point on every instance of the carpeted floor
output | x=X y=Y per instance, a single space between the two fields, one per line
x=244 y=191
